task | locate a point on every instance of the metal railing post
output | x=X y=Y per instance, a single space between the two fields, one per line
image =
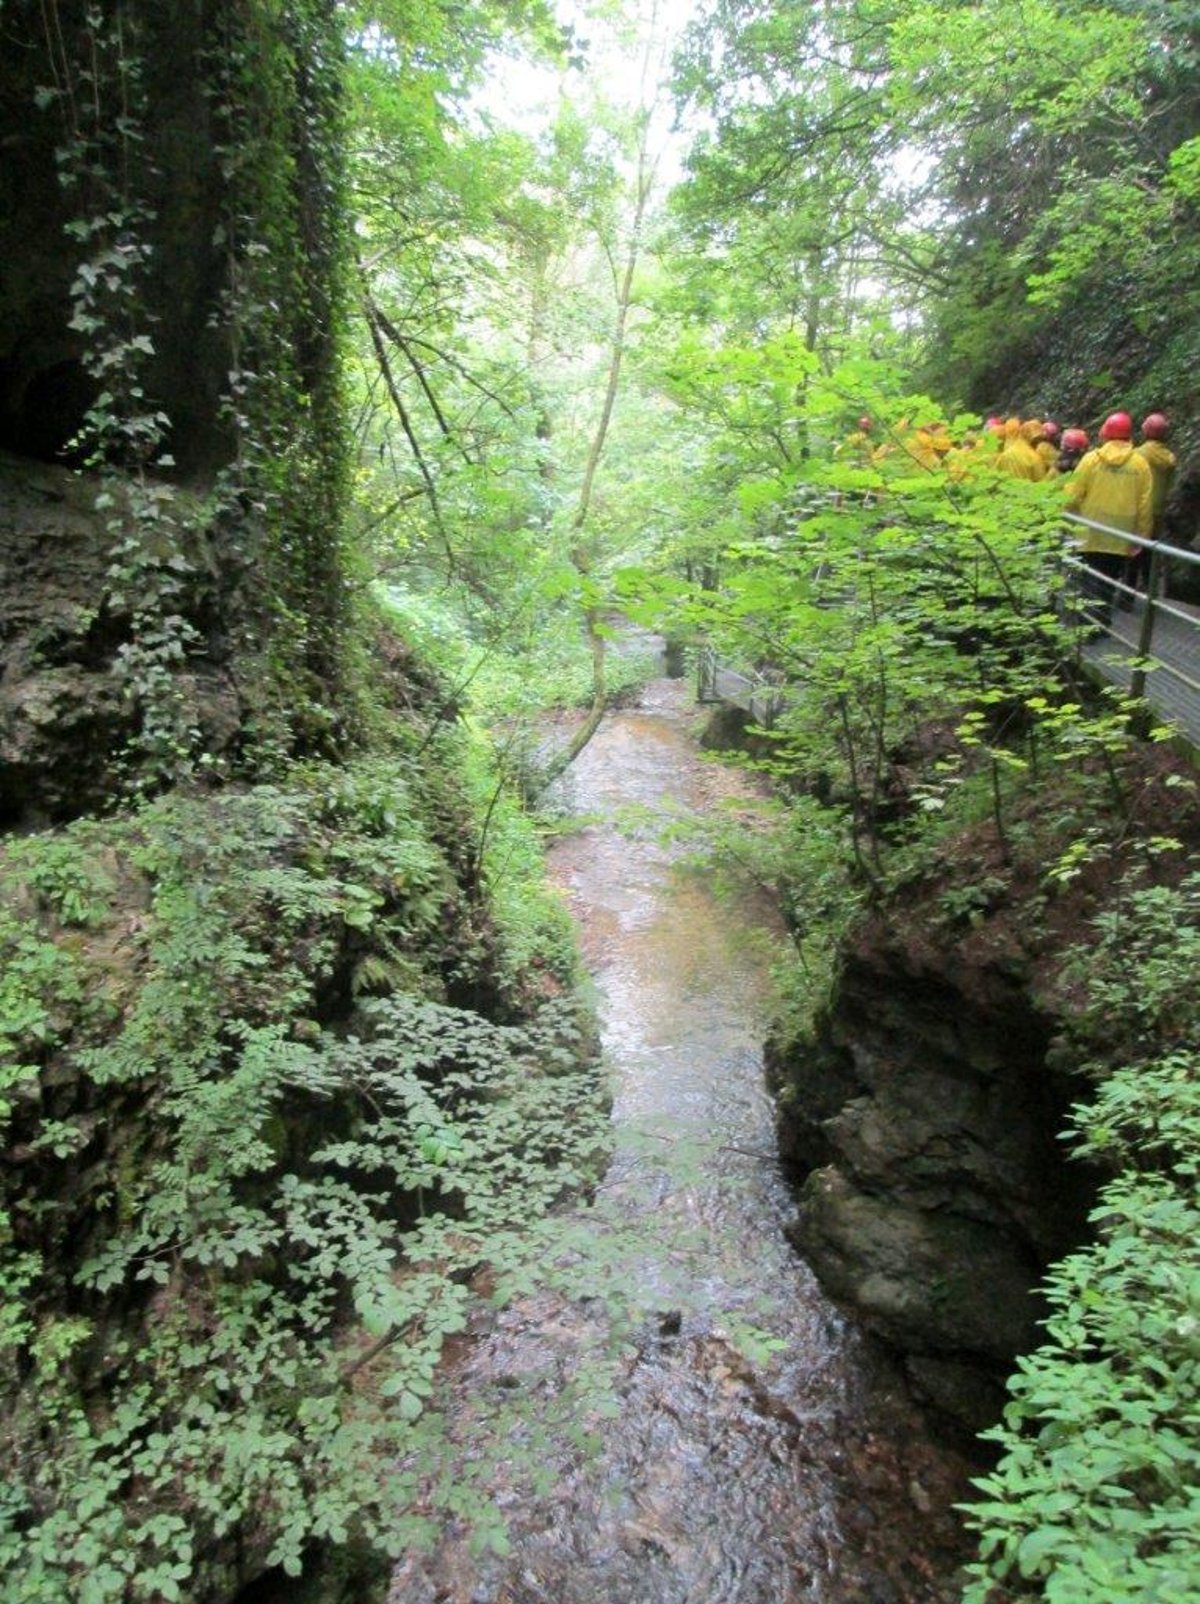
x=706 y=674
x=1137 y=683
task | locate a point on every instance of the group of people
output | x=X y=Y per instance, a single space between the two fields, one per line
x=1123 y=487
x=1116 y=484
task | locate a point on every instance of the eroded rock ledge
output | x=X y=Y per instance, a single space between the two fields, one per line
x=922 y=1129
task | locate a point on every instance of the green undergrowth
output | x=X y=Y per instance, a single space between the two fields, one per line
x=534 y=668
x=535 y=955
x=278 y=1076
x=1070 y=877
x=1096 y=1497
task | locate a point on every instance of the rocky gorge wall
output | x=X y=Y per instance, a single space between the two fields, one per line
x=172 y=450
x=921 y=1127
x=65 y=718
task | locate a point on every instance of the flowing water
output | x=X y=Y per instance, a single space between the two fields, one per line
x=687 y=1419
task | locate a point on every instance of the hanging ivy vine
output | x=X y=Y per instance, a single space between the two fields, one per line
x=274 y=73
x=270 y=536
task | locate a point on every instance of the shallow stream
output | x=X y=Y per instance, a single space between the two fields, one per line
x=687 y=1420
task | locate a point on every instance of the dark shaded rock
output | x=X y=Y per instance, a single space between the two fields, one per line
x=58 y=732
x=914 y=1272
x=64 y=718
x=44 y=387
x=729 y=729
x=955 y=1390
x=350 y=1575
x=923 y=1123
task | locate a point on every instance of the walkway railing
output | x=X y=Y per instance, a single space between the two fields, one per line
x=1147 y=642
x=757 y=695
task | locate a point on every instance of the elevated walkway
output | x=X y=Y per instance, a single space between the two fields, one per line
x=1146 y=642
x=754 y=694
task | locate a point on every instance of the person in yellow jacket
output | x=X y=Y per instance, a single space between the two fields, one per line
x=964 y=458
x=858 y=444
x=1073 y=444
x=1161 y=459
x=1113 y=486
x=1018 y=456
x=925 y=445
x=1047 y=447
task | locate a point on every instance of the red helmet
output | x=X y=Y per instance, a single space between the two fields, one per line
x=1074 y=440
x=864 y=422
x=1155 y=427
x=1117 y=426
x=1050 y=429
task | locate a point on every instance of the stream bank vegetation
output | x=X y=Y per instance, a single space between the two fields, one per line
x=1095 y=1492
x=291 y=1039
x=949 y=769
x=277 y=1084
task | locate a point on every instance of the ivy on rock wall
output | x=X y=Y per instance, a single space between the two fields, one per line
x=174 y=334
x=277 y=100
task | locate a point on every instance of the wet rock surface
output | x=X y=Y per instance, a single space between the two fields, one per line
x=923 y=1130
x=682 y=1414
x=63 y=717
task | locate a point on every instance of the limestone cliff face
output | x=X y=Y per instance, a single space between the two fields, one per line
x=204 y=271
x=922 y=1127
x=64 y=719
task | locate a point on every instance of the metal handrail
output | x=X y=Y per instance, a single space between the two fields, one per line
x=1155 y=606
x=1184 y=552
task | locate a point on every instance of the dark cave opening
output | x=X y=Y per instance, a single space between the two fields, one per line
x=45 y=413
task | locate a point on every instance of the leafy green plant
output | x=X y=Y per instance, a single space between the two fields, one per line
x=968 y=903
x=1095 y=1494
x=289 y=1185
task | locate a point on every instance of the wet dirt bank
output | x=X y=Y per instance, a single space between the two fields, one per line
x=681 y=1416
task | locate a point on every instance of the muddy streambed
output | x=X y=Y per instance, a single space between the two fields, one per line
x=685 y=1419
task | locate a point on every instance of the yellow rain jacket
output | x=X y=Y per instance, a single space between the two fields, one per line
x=1020 y=459
x=961 y=459
x=1113 y=485
x=923 y=446
x=855 y=447
x=1162 y=471
x=1048 y=452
